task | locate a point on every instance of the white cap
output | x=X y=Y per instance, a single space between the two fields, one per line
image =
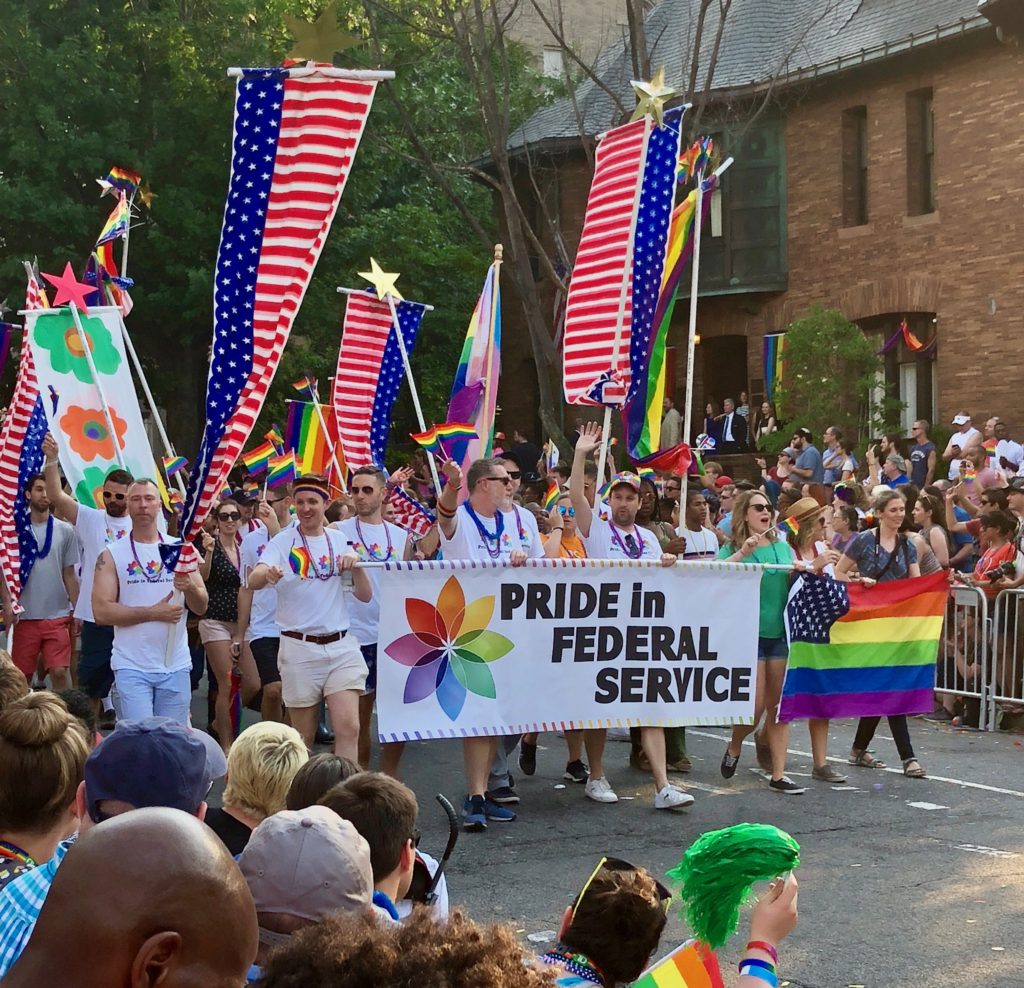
x=961 y=419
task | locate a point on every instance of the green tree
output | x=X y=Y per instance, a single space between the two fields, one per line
x=831 y=378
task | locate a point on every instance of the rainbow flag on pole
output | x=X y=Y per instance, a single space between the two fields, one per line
x=172 y=464
x=447 y=442
x=858 y=652
x=281 y=470
x=304 y=434
x=256 y=460
x=693 y=965
x=117 y=222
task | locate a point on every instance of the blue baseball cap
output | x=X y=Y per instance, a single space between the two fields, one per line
x=153 y=762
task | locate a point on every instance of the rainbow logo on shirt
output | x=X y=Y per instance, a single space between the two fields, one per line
x=299 y=561
x=153 y=568
x=113 y=535
x=134 y=569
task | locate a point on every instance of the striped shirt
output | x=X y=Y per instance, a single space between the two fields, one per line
x=20 y=904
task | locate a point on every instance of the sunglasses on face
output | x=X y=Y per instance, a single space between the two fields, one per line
x=111 y=496
x=363 y=490
x=515 y=474
x=760 y=507
x=502 y=480
x=617 y=864
x=229 y=516
x=567 y=512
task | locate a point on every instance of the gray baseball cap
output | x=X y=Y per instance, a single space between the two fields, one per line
x=308 y=863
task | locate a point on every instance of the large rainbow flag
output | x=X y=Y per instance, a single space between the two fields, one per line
x=305 y=436
x=693 y=965
x=858 y=652
x=774 y=355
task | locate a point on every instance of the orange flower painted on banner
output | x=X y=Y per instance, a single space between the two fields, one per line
x=449 y=648
x=88 y=435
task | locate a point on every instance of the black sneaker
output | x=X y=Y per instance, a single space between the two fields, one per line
x=576 y=772
x=786 y=786
x=503 y=796
x=729 y=763
x=527 y=758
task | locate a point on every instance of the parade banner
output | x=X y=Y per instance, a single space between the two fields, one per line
x=74 y=401
x=482 y=648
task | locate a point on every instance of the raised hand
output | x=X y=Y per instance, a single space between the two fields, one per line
x=50 y=447
x=590 y=438
x=775 y=915
x=452 y=472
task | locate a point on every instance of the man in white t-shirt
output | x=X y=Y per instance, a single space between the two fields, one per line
x=477 y=529
x=699 y=541
x=257 y=609
x=959 y=443
x=619 y=537
x=48 y=593
x=373 y=540
x=133 y=590
x=95 y=529
x=309 y=564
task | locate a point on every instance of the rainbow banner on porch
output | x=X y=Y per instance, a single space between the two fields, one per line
x=774 y=353
x=862 y=652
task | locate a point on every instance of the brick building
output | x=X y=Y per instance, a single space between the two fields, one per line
x=882 y=176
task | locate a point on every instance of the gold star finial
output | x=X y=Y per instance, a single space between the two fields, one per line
x=382 y=281
x=652 y=96
x=317 y=42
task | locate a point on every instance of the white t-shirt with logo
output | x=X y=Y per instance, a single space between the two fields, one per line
x=309 y=604
x=96 y=530
x=524 y=526
x=143 y=581
x=469 y=543
x=370 y=544
x=602 y=543
x=262 y=622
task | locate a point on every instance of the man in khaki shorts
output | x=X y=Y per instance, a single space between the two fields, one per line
x=310 y=564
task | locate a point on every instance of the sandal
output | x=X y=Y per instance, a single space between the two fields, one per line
x=912 y=769
x=864 y=759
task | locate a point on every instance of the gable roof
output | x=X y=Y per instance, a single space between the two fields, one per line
x=763 y=40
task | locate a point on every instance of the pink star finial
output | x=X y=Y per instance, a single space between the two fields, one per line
x=69 y=289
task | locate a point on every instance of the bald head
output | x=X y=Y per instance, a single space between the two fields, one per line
x=149 y=897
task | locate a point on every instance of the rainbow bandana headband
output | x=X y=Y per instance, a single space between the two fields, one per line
x=311 y=486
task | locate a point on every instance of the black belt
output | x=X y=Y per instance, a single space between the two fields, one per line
x=334 y=636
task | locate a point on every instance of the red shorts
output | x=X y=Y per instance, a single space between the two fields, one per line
x=52 y=638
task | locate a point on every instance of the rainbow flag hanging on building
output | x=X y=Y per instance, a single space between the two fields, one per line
x=859 y=652
x=304 y=435
x=774 y=355
x=693 y=965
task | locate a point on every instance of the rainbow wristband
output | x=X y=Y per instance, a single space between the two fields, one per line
x=768 y=977
x=757 y=962
x=765 y=946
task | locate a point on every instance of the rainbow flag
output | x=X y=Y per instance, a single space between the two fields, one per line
x=859 y=652
x=281 y=470
x=675 y=461
x=257 y=460
x=275 y=438
x=474 y=397
x=774 y=362
x=788 y=526
x=693 y=965
x=968 y=473
x=448 y=441
x=117 y=222
x=299 y=561
x=304 y=435
x=551 y=495
x=305 y=385
x=172 y=464
x=120 y=180
x=250 y=487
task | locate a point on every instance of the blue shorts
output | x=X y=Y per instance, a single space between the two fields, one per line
x=772 y=648
x=370 y=658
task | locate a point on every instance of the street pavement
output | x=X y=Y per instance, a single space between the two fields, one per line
x=903 y=882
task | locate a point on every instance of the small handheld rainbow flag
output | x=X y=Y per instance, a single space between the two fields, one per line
x=968 y=473
x=281 y=470
x=250 y=487
x=299 y=561
x=117 y=222
x=257 y=460
x=275 y=438
x=306 y=385
x=226 y=492
x=447 y=441
x=788 y=526
x=990 y=447
x=176 y=500
x=693 y=965
x=551 y=496
x=172 y=464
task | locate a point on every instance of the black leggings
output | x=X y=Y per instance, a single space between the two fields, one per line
x=867 y=726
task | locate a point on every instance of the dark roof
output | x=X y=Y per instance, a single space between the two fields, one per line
x=785 y=40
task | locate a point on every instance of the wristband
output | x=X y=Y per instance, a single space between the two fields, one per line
x=444 y=512
x=757 y=962
x=769 y=977
x=766 y=947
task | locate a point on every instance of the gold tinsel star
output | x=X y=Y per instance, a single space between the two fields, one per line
x=317 y=42
x=147 y=195
x=382 y=281
x=652 y=96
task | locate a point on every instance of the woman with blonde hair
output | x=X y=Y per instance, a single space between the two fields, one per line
x=756 y=540
x=261 y=766
x=43 y=749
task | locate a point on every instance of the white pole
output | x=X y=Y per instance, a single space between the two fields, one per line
x=327 y=439
x=299 y=71
x=364 y=291
x=412 y=385
x=87 y=350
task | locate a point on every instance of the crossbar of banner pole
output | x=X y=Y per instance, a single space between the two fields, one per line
x=299 y=71
x=361 y=291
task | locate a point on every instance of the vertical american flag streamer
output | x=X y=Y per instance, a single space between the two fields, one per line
x=296 y=132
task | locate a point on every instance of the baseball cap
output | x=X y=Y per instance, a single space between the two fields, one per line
x=241 y=496
x=153 y=762
x=961 y=419
x=898 y=460
x=790 y=452
x=307 y=863
x=1016 y=484
x=627 y=478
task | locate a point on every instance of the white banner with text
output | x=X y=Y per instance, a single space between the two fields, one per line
x=470 y=648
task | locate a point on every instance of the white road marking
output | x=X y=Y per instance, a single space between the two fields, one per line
x=991 y=852
x=894 y=771
x=926 y=806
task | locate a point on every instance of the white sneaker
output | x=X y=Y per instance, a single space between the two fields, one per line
x=600 y=791
x=672 y=799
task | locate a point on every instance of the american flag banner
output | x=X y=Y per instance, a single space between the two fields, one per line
x=369 y=374
x=21 y=455
x=296 y=132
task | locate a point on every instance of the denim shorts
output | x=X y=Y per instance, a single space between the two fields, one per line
x=772 y=648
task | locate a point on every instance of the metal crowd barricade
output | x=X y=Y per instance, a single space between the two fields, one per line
x=1007 y=676
x=963 y=666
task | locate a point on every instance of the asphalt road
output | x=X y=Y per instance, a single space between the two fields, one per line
x=914 y=883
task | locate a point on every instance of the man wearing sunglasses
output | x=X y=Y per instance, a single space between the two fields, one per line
x=96 y=528
x=479 y=529
x=373 y=540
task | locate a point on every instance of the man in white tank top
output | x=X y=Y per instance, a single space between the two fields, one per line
x=133 y=590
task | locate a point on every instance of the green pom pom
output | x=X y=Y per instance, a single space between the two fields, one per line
x=719 y=869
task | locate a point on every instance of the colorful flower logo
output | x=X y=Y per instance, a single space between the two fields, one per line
x=56 y=333
x=89 y=490
x=134 y=569
x=88 y=435
x=449 y=648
